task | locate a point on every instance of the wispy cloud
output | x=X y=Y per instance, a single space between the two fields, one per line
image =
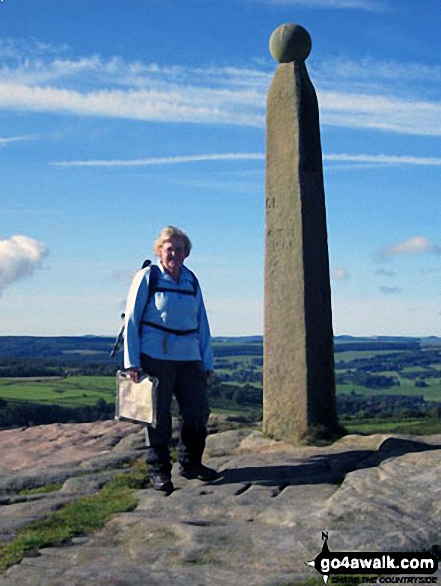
x=360 y=160
x=409 y=116
x=93 y=86
x=163 y=160
x=356 y=76
x=383 y=160
x=372 y=5
x=400 y=96
x=190 y=105
x=385 y=272
x=339 y=274
x=4 y=141
x=15 y=48
x=415 y=245
x=20 y=256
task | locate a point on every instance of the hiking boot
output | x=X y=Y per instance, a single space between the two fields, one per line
x=199 y=471
x=162 y=482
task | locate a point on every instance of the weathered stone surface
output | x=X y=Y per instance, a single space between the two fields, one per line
x=58 y=443
x=299 y=387
x=225 y=443
x=290 y=42
x=262 y=520
x=83 y=457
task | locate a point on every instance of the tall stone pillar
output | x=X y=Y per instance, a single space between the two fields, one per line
x=299 y=386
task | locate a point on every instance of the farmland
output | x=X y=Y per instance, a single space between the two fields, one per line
x=382 y=384
x=72 y=391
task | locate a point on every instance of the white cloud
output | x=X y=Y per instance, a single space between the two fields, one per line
x=376 y=112
x=93 y=86
x=15 y=48
x=191 y=105
x=350 y=76
x=10 y=139
x=383 y=160
x=163 y=160
x=339 y=274
x=20 y=256
x=339 y=4
x=415 y=245
x=360 y=160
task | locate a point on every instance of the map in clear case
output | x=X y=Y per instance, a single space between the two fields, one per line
x=136 y=402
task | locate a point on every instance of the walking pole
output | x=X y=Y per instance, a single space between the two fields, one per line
x=119 y=340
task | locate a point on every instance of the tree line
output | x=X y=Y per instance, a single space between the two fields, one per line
x=27 y=367
x=26 y=414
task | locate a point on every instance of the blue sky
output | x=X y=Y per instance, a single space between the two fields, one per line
x=119 y=117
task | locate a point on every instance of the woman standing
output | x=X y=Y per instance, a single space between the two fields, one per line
x=168 y=336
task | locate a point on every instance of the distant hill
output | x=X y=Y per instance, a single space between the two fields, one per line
x=94 y=347
x=239 y=339
x=97 y=348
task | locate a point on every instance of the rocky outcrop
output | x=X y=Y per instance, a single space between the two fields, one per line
x=82 y=457
x=257 y=525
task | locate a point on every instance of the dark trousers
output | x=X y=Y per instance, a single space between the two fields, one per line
x=185 y=380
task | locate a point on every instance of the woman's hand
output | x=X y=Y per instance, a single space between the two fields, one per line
x=134 y=374
x=209 y=377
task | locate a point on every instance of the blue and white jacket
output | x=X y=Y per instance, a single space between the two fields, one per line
x=174 y=311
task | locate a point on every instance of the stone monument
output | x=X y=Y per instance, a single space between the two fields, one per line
x=299 y=386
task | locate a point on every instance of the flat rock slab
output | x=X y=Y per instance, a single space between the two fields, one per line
x=262 y=520
x=58 y=443
x=81 y=457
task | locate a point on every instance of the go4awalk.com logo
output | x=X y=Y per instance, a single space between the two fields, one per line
x=344 y=563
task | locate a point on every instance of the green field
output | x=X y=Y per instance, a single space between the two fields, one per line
x=349 y=355
x=76 y=391
x=407 y=387
x=381 y=387
x=71 y=391
x=411 y=427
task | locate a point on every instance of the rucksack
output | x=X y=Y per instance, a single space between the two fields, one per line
x=155 y=273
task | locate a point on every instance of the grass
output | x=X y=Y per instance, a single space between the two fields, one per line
x=41 y=489
x=349 y=355
x=407 y=387
x=430 y=393
x=427 y=426
x=72 y=391
x=79 y=517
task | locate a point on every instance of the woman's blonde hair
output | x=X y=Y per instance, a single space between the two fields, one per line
x=167 y=234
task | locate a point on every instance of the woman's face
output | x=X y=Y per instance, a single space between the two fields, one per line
x=172 y=255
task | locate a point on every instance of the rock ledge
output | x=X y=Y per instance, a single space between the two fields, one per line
x=257 y=525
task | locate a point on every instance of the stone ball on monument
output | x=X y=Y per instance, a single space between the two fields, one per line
x=290 y=42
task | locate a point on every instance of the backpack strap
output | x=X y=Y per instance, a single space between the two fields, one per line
x=155 y=274
x=195 y=282
x=169 y=330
